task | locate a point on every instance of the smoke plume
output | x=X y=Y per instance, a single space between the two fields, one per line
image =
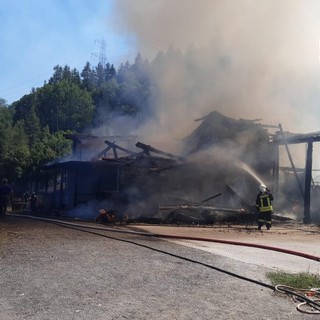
x=258 y=59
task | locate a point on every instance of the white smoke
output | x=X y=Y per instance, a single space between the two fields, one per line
x=259 y=59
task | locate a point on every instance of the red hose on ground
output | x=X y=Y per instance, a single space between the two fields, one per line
x=236 y=243
x=246 y=244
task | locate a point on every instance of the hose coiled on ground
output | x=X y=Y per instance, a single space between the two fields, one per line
x=309 y=297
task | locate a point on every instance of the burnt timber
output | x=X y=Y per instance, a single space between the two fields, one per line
x=128 y=177
x=309 y=138
x=107 y=179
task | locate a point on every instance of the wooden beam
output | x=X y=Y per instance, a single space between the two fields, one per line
x=308 y=178
x=275 y=169
x=147 y=149
x=113 y=145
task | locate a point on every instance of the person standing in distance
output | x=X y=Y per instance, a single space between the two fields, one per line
x=6 y=193
x=264 y=207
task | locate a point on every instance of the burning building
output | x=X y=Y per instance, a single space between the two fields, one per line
x=115 y=178
x=138 y=180
x=214 y=177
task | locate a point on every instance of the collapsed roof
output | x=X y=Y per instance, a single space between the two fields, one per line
x=243 y=140
x=210 y=166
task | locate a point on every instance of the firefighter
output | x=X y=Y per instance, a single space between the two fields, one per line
x=5 y=197
x=34 y=202
x=264 y=207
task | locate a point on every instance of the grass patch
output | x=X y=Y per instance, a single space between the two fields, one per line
x=298 y=280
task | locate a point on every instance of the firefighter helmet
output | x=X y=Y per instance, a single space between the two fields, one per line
x=262 y=188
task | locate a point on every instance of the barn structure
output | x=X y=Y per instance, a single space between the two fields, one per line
x=217 y=174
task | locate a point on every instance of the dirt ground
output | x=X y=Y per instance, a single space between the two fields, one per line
x=281 y=231
x=53 y=272
x=285 y=234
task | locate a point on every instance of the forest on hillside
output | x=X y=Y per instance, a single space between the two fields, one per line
x=33 y=128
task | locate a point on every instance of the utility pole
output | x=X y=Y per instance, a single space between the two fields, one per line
x=102 y=51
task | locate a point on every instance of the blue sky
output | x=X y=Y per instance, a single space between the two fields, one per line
x=272 y=46
x=36 y=35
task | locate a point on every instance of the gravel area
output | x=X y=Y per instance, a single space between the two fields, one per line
x=58 y=273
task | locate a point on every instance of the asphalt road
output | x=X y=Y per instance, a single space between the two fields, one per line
x=58 y=273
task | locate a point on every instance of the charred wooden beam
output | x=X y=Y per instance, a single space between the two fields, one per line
x=196 y=206
x=308 y=179
x=294 y=138
x=276 y=168
x=115 y=146
x=103 y=152
x=213 y=197
x=187 y=204
x=147 y=149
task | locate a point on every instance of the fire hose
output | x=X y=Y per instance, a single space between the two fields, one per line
x=309 y=297
x=306 y=299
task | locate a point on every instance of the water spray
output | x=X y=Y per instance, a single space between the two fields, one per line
x=251 y=172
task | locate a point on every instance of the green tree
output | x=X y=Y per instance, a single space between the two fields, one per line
x=65 y=73
x=87 y=77
x=50 y=147
x=3 y=102
x=22 y=107
x=106 y=100
x=134 y=92
x=5 y=130
x=110 y=71
x=64 y=106
x=16 y=159
x=100 y=75
x=25 y=109
x=32 y=128
x=57 y=75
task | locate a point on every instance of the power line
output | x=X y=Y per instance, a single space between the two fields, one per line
x=21 y=88
x=23 y=83
x=102 y=51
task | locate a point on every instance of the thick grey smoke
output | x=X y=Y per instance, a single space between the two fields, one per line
x=259 y=59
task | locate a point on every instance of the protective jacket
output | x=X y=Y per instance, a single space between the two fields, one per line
x=264 y=202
